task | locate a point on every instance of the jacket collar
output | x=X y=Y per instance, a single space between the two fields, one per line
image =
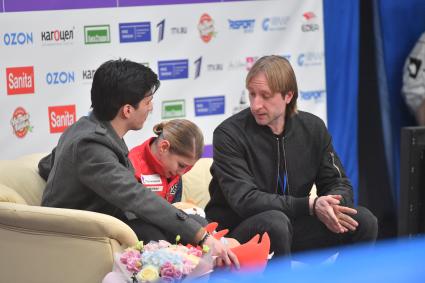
x=105 y=128
x=287 y=130
x=150 y=159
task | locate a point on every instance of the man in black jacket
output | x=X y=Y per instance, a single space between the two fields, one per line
x=266 y=160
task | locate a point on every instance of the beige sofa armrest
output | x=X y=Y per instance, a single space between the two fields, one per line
x=75 y=223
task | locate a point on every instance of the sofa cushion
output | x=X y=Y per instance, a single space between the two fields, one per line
x=196 y=183
x=9 y=195
x=21 y=175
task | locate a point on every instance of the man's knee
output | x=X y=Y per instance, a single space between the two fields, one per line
x=276 y=223
x=368 y=224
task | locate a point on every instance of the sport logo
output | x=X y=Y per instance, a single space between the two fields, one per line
x=206 y=28
x=20 y=80
x=20 y=122
x=246 y=25
x=61 y=117
x=315 y=95
x=97 y=34
x=309 y=24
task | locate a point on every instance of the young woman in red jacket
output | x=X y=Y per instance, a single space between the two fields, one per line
x=160 y=161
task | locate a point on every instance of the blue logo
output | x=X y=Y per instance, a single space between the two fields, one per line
x=212 y=105
x=161 y=27
x=310 y=59
x=56 y=78
x=275 y=23
x=135 y=32
x=246 y=25
x=18 y=38
x=173 y=69
x=316 y=95
x=198 y=65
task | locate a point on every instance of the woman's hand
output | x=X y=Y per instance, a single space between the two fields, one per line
x=224 y=255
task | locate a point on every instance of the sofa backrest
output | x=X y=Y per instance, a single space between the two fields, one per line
x=19 y=180
x=196 y=183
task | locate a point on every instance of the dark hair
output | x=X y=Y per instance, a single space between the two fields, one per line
x=185 y=137
x=120 y=82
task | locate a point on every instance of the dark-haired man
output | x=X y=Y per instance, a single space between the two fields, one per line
x=89 y=169
x=266 y=160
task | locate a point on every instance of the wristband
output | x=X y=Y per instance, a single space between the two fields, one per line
x=204 y=238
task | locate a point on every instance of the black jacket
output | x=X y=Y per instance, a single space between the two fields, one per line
x=246 y=164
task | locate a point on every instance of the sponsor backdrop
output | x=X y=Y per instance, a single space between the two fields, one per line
x=201 y=52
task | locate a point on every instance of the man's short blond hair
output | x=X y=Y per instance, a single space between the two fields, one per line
x=280 y=78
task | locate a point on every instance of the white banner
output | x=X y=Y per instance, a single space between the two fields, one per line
x=201 y=53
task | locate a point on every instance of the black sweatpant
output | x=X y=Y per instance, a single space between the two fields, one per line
x=304 y=233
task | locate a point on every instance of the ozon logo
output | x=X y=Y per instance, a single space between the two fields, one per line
x=18 y=38
x=61 y=117
x=20 y=122
x=20 y=80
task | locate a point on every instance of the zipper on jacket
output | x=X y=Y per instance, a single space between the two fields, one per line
x=286 y=165
x=334 y=165
x=278 y=166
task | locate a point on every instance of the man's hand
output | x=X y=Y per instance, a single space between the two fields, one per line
x=343 y=214
x=224 y=255
x=334 y=216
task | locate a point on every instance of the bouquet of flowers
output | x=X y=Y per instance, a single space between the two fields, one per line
x=163 y=262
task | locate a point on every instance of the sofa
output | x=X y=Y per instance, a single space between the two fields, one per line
x=42 y=244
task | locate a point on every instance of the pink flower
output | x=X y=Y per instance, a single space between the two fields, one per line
x=195 y=252
x=131 y=259
x=169 y=270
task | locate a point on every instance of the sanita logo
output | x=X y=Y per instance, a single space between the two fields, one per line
x=275 y=23
x=56 y=78
x=206 y=28
x=20 y=122
x=88 y=74
x=316 y=95
x=246 y=25
x=18 y=38
x=20 y=80
x=309 y=22
x=97 y=34
x=57 y=36
x=61 y=117
x=310 y=59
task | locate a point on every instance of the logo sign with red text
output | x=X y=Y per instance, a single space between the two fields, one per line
x=20 y=80
x=20 y=122
x=206 y=28
x=61 y=117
